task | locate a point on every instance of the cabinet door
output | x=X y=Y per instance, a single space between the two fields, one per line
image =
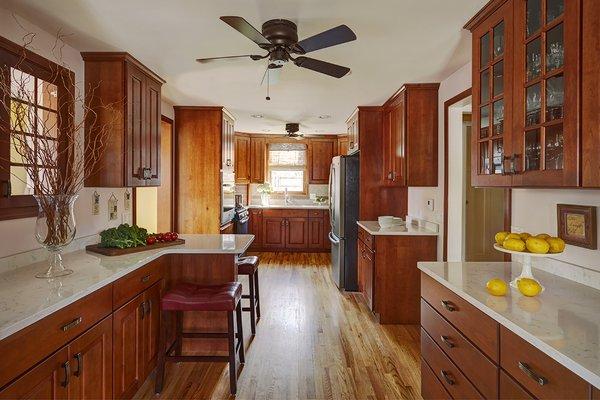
x=320 y=152
x=547 y=77
x=491 y=139
x=511 y=390
x=315 y=233
x=242 y=159
x=256 y=227
x=366 y=273
x=151 y=149
x=296 y=236
x=273 y=232
x=128 y=356
x=151 y=318
x=353 y=135
x=48 y=380
x=258 y=150
x=394 y=151
x=342 y=146
x=91 y=363
x=227 y=141
x=136 y=126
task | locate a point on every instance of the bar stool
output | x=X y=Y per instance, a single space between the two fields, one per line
x=249 y=266
x=192 y=297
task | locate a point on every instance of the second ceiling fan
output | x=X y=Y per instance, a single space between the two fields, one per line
x=279 y=37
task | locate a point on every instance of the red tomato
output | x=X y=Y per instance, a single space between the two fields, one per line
x=150 y=240
x=174 y=235
x=160 y=237
x=171 y=236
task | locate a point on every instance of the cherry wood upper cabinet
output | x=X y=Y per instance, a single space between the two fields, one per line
x=410 y=129
x=132 y=153
x=320 y=153
x=353 y=132
x=493 y=59
x=343 y=146
x=242 y=158
x=258 y=154
x=227 y=141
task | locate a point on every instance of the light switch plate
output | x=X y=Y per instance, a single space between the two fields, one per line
x=430 y=206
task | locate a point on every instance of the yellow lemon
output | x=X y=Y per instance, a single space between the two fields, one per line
x=524 y=236
x=529 y=287
x=557 y=245
x=514 y=244
x=512 y=236
x=542 y=236
x=501 y=237
x=496 y=286
x=537 y=245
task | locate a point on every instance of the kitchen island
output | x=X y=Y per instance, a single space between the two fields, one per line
x=547 y=346
x=110 y=306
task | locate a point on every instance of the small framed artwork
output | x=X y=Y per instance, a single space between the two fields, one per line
x=577 y=225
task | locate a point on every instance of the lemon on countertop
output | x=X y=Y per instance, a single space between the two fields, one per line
x=512 y=236
x=496 y=287
x=529 y=287
x=537 y=245
x=501 y=237
x=557 y=245
x=542 y=236
x=514 y=244
x=524 y=236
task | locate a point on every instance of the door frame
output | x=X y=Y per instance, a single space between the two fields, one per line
x=163 y=118
x=507 y=192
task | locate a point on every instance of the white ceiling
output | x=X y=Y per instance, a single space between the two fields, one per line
x=398 y=41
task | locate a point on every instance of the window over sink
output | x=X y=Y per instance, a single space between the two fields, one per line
x=287 y=164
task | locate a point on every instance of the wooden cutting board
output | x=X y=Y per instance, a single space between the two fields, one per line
x=113 y=251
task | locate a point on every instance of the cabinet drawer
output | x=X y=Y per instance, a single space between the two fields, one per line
x=316 y=213
x=449 y=375
x=538 y=373
x=472 y=362
x=431 y=387
x=285 y=213
x=25 y=348
x=471 y=322
x=366 y=237
x=511 y=390
x=137 y=281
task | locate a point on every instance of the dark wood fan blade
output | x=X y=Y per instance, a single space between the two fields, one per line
x=323 y=67
x=209 y=59
x=244 y=27
x=332 y=37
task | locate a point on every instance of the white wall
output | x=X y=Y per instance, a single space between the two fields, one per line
x=16 y=236
x=456 y=83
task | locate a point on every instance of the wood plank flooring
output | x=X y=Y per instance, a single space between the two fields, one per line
x=312 y=343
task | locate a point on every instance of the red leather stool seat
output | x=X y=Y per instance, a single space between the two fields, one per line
x=247 y=265
x=191 y=297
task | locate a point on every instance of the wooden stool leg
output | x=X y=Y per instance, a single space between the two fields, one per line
x=162 y=344
x=240 y=332
x=178 y=332
x=252 y=299
x=232 y=358
x=257 y=295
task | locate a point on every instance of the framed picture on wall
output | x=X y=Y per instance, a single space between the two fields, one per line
x=577 y=225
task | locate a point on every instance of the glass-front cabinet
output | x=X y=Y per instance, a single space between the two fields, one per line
x=546 y=73
x=492 y=98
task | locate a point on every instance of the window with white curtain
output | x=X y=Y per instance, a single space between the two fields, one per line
x=287 y=167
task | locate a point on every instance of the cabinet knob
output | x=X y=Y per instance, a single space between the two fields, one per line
x=447 y=341
x=448 y=305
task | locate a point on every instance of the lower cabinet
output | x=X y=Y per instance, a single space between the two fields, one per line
x=273 y=232
x=255 y=227
x=366 y=270
x=296 y=233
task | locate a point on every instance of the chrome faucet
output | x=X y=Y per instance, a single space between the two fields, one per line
x=286 y=197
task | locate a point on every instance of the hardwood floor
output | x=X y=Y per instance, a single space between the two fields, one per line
x=312 y=342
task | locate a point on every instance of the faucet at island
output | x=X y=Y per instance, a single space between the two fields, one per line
x=286 y=197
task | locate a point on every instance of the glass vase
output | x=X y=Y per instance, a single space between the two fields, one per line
x=55 y=229
x=264 y=199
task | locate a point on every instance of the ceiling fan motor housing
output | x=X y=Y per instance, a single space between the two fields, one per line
x=292 y=127
x=280 y=32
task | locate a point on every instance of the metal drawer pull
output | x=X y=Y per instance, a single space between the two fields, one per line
x=447 y=341
x=145 y=278
x=67 y=368
x=143 y=309
x=448 y=305
x=71 y=324
x=527 y=369
x=447 y=377
x=79 y=369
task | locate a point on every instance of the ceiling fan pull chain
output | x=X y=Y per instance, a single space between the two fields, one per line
x=268 y=82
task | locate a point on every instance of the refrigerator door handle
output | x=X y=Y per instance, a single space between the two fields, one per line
x=331 y=216
x=332 y=239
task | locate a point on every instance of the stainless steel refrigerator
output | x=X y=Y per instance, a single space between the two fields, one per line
x=343 y=214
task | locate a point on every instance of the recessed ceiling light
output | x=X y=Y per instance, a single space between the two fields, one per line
x=324 y=116
x=256 y=115
x=266 y=130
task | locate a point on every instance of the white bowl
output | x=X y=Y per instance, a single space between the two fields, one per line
x=387 y=221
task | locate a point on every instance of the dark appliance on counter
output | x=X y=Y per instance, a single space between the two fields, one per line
x=242 y=216
x=343 y=212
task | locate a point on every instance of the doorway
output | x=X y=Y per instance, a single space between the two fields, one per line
x=154 y=205
x=472 y=215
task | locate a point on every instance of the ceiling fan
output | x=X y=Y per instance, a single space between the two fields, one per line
x=292 y=129
x=279 y=37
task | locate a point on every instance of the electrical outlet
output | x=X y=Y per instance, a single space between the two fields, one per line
x=430 y=204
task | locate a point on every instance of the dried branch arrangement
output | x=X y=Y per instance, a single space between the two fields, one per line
x=46 y=133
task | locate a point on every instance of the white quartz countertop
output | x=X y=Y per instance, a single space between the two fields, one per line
x=399 y=230
x=25 y=299
x=563 y=321
x=292 y=206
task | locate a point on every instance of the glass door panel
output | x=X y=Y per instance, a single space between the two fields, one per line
x=484 y=91
x=498 y=82
x=484 y=158
x=484 y=125
x=534 y=59
x=555 y=48
x=533 y=105
x=533 y=16
x=533 y=150
x=554 y=9
x=499 y=39
x=554 y=147
x=555 y=95
x=498 y=117
x=497 y=156
x=485 y=49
